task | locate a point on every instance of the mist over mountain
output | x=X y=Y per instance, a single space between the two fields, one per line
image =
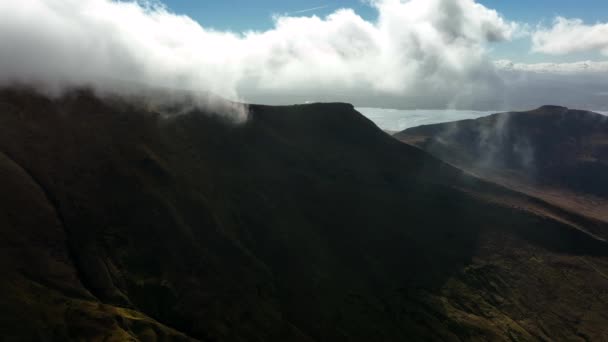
x=554 y=153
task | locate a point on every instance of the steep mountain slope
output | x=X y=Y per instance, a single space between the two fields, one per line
x=305 y=223
x=553 y=153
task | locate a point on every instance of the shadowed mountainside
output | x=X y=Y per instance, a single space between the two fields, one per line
x=305 y=223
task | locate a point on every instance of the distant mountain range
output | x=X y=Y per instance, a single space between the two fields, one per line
x=304 y=223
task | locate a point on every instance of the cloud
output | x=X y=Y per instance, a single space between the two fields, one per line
x=414 y=42
x=576 y=85
x=416 y=54
x=571 y=35
x=100 y=42
x=431 y=52
x=581 y=67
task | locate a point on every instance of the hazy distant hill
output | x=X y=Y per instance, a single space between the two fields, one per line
x=305 y=223
x=554 y=153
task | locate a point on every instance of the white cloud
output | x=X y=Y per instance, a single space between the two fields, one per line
x=100 y=41
x=571 y=35
x=580 y=67
x=417 y=48
x=417 y=54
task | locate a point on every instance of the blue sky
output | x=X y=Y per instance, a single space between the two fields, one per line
x=244 y=15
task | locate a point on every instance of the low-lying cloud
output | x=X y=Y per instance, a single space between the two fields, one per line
x=416 y=54
x=582 y=67
x=416 y=47
x=102 y=43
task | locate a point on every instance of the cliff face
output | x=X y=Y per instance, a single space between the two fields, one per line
x=304 y=223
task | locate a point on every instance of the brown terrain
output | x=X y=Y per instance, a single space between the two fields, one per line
x=121 y=221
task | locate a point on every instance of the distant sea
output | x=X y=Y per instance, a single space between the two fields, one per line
x=397 y=120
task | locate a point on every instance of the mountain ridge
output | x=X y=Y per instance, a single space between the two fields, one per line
x=552 y=152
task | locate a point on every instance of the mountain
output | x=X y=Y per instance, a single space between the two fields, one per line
x=553 y=153
x=123 y=220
